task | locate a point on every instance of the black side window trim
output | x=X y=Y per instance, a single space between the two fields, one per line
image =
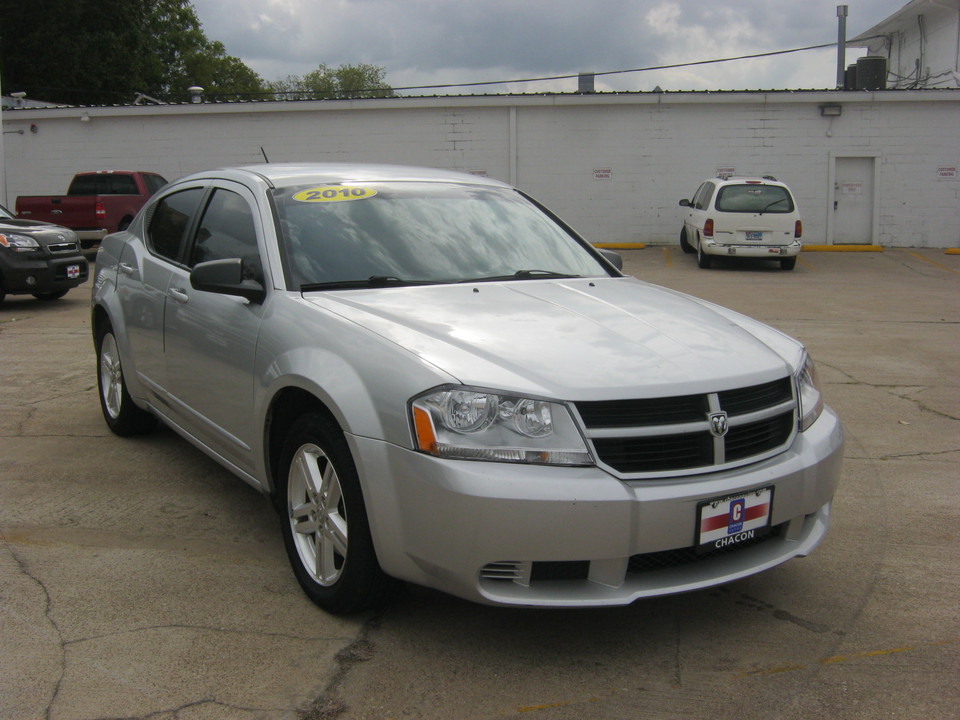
x=191 y=229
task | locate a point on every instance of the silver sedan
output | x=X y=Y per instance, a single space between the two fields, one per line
x=437 y=381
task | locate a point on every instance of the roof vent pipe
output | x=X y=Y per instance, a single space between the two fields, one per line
x=841 y=45
x=196 y=93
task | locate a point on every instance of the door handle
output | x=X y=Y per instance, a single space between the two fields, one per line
x=179 y=294
x=126 y=269
x=56 y=212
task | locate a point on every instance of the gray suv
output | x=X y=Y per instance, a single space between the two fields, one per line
x=38 y=258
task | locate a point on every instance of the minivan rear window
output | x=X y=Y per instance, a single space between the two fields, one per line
x=754 y=198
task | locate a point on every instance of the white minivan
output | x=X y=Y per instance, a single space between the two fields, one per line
x=742 y=217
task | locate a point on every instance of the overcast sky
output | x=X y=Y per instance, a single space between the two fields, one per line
x=428 y=42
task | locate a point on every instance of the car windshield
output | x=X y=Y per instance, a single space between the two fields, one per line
x=412 y=232
x=4 y=213
x=754 y=198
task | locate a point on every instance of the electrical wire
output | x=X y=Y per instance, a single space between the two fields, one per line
x=621 y=72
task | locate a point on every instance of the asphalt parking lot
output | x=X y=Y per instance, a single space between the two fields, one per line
x=139 y=579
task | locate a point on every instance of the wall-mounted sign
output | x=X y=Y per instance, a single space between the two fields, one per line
x=603 y=174
x=947 y=172
x=852 y=188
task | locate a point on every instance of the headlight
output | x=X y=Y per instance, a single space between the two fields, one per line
x=472 y=424
x=18 y=243
x=808 y=391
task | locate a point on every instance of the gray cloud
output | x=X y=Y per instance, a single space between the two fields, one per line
x=448 y=41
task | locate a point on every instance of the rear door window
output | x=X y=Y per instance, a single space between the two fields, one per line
x=702 y=199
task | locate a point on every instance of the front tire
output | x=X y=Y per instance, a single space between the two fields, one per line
x=56 y=295
x=122 y=416
x=324 y=520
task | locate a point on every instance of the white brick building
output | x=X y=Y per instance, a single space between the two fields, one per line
x=867 y=167
x=921 y=43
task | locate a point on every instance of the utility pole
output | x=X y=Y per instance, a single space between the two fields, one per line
x=841 y=45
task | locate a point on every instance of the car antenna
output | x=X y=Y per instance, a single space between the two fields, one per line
x=264 y=153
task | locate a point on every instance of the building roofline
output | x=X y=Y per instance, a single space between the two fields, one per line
x=507 y=100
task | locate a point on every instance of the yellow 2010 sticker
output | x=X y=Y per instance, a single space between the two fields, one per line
x=335 y=193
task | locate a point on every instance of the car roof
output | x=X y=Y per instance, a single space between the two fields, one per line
x=289 y=174
x=737 y=180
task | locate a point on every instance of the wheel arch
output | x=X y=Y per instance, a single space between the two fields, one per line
x=288 y=404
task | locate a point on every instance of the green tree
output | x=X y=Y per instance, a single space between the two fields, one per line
x=93 y=52
x=344 y=82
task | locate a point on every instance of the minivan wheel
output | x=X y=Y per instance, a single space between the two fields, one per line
x=324 y=520
x=122 y=416
x=788 y=263
x=703 y=260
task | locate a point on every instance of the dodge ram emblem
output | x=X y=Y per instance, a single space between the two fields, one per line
x=718 y=424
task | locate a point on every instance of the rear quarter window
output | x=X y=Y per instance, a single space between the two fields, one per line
x=754 y=199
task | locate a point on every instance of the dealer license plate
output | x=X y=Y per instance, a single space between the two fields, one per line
x=734 y=519
x=754 y=235
x=73 y=271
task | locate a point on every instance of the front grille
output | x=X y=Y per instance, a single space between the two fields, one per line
x=661 y=452
x=759 y=437
x=676 y=434
x=643 y=413
x=64 y=247
x=757 y=397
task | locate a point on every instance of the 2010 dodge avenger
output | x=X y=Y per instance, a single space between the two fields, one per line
x=436 y=381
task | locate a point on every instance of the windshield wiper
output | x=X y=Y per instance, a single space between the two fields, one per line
x=524 y=275
x=775 y=202
x=374 y=281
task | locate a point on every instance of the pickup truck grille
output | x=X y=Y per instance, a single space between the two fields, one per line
x=673 y=435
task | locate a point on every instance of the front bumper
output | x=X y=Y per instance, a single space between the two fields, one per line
x=540 y=536
x=769 y=252
x=27 y=273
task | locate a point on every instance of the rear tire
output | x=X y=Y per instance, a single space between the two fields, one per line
x=122 y=416
x=703 y=260
x=684 y=243
x=324 y=520
x=788 y=263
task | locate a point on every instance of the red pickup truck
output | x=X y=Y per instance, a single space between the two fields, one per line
x=96 y=203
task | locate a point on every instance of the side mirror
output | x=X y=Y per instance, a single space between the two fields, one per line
x=684 y=203
x=612 y=257
x=225 y=277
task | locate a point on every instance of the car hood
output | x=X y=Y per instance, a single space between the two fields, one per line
x=19 y=225
x=572 y=339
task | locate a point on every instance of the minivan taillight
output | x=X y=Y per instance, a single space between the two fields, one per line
x=708 y=228
x=798 y=230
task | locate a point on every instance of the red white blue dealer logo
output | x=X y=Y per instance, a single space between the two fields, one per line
x=734 y=519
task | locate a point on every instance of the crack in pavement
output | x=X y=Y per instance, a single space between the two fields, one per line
x=890 y=390
x=47 y=612
x=330 y=703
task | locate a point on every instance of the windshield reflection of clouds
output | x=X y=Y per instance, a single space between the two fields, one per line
x=425 y=232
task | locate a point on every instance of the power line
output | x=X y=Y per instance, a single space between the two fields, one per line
x=621 y=72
